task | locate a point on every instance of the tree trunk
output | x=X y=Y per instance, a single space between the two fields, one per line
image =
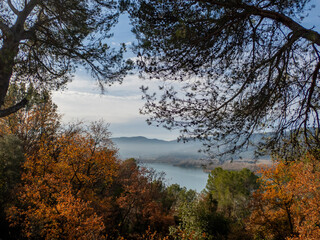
x=5 y=75
x=8 y=52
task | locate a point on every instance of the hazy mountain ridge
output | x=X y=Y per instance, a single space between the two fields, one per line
x=177 y=153
x=143 y=148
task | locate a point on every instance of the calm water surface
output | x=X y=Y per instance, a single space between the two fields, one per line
x=191 y=178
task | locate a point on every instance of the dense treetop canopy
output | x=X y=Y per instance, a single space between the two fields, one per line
x=242 y=66
x=42 y=42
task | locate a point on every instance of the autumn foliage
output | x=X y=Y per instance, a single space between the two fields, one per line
x=75 y=188
x=39 y=120
x=62 y=184
x=138 y=208
x=68 y=183
x=287 y=205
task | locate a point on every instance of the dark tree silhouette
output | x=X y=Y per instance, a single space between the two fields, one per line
x=42 y=42
x=231 y=68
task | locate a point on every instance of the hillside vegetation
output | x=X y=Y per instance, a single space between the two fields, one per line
x=68 y=183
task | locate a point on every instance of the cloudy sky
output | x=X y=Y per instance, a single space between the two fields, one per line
x=120 y=104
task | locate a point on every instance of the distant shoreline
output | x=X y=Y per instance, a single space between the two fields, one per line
x=208 y=166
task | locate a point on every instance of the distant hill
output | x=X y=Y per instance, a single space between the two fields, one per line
x=178 y=153
x=143 y=148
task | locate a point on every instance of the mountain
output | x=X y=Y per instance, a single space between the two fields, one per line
x=143 y=148
x=179 y=153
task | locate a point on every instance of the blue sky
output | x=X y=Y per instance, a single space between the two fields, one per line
x=120 y=104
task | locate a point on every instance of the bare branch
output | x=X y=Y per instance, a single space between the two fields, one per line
x=312 y=87
x=16 y=11
x=308 y=34
x=14 y=108
x=30 y=34
x=25 y=13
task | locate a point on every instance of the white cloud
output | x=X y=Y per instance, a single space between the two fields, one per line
x=89 y=106
x=129 y=87
x=119 y=106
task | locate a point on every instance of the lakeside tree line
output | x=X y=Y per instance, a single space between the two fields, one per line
x=230 y=68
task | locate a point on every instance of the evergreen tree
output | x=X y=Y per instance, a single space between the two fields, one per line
x=231 y=68
x=42 y=42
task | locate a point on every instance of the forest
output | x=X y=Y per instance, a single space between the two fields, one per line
x=230 y=69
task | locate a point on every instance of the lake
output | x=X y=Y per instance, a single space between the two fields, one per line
x=191 y=178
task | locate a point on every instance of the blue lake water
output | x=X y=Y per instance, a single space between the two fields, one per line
x=191 y=178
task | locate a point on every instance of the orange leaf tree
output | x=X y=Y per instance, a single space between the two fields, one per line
x=63 y=187
x=139 y=204
x=287 y=205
